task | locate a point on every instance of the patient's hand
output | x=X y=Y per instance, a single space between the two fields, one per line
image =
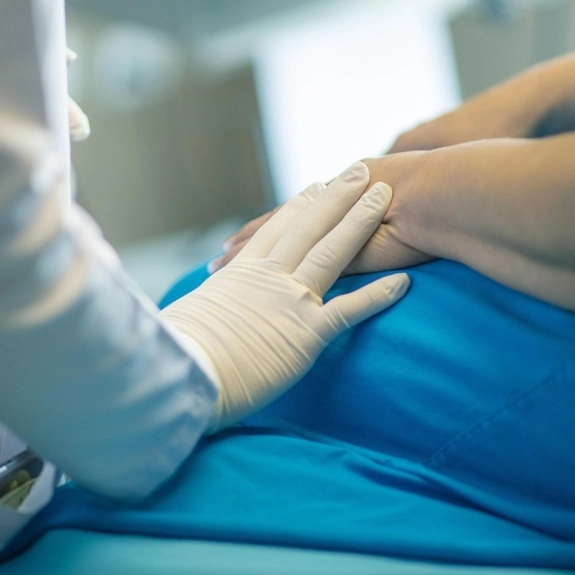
x=235 y=243
x=387 y=249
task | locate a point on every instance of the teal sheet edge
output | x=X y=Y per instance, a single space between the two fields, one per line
x=70 y=552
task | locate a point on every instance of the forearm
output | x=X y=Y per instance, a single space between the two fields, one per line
x=548 y=94
x=90 y=377
x=540 y=101
x=503 y=207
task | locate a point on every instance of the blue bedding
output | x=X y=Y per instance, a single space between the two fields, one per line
x=75 y=552
x=440 y=430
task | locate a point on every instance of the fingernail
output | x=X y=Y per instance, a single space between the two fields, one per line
x=214 y=265
x=80 y=130
x=79 y=123
x=229 y=243
x=71 y=56
x=399 y=283
x=357 y=171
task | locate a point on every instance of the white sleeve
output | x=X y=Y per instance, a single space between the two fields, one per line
x=90 y=377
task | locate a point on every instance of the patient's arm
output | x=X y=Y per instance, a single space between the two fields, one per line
x=539 y=101
x=504 y=207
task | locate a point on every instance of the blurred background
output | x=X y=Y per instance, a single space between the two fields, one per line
x=206 y=113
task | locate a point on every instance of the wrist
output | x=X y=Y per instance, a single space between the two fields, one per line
x=437 y=214
x=411 y=215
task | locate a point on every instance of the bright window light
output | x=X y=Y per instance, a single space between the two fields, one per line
x=341 y=87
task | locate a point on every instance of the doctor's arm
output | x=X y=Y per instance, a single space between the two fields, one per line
x=89 y=377
x=114 y=394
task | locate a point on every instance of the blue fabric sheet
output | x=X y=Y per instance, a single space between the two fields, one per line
x=442 y=429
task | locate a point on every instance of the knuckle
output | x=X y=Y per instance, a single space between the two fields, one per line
x=327 y=258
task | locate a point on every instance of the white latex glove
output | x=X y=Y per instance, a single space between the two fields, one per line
x=261 y=319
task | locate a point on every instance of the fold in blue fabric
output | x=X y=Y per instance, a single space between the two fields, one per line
x=441 y=429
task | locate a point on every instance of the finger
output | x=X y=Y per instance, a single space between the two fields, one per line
x=224 y=260
x=267 y=236
x=320 y=217
x=79 y=123
x=350 y=309
x=71 y=56
x=249 y=229
x=385 y=252
x=329 y=257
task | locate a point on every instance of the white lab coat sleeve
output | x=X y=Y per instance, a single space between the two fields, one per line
x=90 y=377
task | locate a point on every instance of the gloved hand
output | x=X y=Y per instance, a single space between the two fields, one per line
x=261 y=319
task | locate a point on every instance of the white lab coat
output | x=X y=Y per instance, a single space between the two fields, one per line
x=90 y=377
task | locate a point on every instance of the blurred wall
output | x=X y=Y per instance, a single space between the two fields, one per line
x=174 y=142
x=178 y=118
x=494 y=39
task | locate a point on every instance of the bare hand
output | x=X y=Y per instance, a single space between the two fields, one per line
x=387 y=249
x=235 y=243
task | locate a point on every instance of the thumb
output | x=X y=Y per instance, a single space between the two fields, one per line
x=350 y=309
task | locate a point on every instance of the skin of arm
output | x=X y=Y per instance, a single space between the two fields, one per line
x=505 y=207
x=537 y=102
